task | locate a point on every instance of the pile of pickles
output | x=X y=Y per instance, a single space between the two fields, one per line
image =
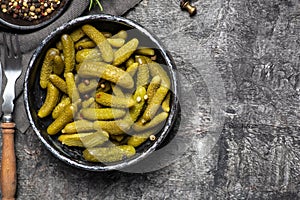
x=106 y=93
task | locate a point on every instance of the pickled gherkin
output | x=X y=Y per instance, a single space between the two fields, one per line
x=88 y=86
x=58 y=82
x=87 y=140
x=72 y=89
x=156 y=69
x=102 y=113
x=58 y=65
x=116 y=42
x=114 y=101
x=101 y=41
x=52 y=98
x=69 y=52
x=77 y=35
x=145 y=51
x=59 y=108
x=109 y=154
x=136 y=110
x=85 y=43
x=142 y=73
x=78 y=126
x=116 y=127
x=157 y=120
x=155 y=104
x=62 y=120
x=137 y=139
x=153 y=86
x=122 y=54
x=47 y=66
x=121 y=34
x=166 y=103
x=107 y=72
x=88 y=54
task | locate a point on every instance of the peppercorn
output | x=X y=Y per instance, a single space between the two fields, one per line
x=29 y=9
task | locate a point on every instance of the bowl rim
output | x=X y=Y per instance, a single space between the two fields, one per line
x=173 y=76
x=42 y=23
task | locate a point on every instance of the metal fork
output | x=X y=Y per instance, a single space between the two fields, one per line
x=12 y=69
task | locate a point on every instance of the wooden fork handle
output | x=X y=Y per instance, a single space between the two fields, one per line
x=8 y=164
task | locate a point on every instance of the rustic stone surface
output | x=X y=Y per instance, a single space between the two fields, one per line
x=239 y=132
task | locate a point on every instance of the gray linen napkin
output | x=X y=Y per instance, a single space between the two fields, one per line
x=30 y=41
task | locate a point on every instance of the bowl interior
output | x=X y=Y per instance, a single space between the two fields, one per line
x=35 y=96
x=22 y=24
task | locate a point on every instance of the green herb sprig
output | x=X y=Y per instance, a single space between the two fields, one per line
x=93 y=2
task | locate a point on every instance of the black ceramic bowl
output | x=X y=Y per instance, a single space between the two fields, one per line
x=34 y=95
x=9 y=22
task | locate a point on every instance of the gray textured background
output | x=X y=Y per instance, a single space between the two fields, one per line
x=239 y=137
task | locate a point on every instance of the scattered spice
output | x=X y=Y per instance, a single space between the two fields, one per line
x=146 y=97
x=102 y=85
x=138 y=99
x=152 y=137
x=86 y=81
x=29 y=9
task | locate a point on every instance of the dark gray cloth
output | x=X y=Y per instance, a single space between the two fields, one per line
x=30 y=41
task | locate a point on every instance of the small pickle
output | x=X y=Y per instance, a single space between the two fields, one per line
x=95 y=105
x=59 y=108
x=58 y=82
x=106 y=34
x=117 y=90
x=106 y=99
x=121 y=34
x=77 y=35
x=156 y=69
x=88 y=54
x=154 y=104
x=86 y=140
x=116 y=42
x=142 y=73
x=87 y=103
x=102 y=113
x=109 y=154
x=59 y=45
x=158 y=119
x=62 y=120
x=101 y=41
x=132 y=69
x=129 y=61
x=78 y=126
x=137 y=139
x=58 y=65
x=116 y=127
x=145 y=51
x=123 y=53
x=107 y=72
x=153 y=86
x=166 y=103
x=136 y=110
x=88 y=86
x=71 y=87
x=69 y=52
x=85 y=43
x=52 y=98
x=47 y=67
